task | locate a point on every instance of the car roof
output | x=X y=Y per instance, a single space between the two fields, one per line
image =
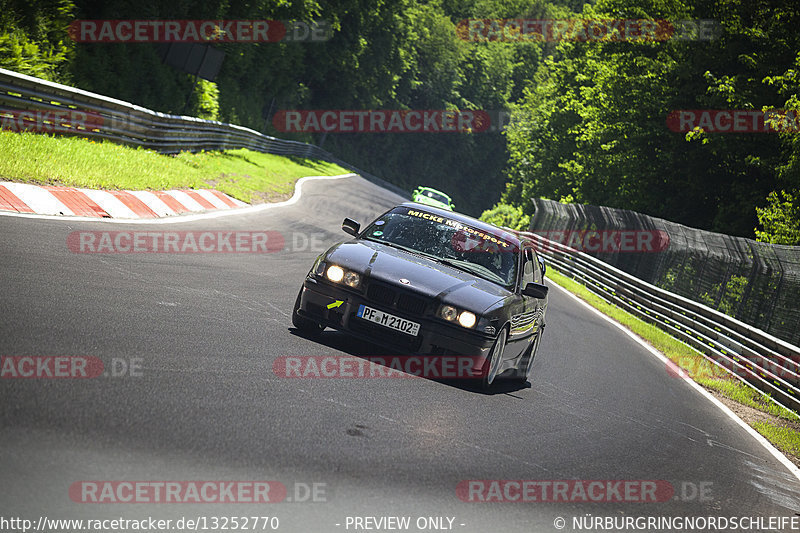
x=469 y=221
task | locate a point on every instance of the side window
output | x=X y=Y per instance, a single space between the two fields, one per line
x=528 y=269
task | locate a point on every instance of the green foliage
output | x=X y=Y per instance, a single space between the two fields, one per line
x=507 y=216
x=415 y=60
x=780 y=220
x=205 y=100
x=33 y=37
x=730 y=298
x=600 y=113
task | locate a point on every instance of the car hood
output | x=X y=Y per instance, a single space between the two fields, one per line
x=426 y=277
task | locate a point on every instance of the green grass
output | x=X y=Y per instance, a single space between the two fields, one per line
x=250 y=176
x=696 y=366
x=785 y=439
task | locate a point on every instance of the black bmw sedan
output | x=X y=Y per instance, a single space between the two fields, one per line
x=428 y=281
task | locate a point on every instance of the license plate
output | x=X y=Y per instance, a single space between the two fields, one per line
x=390 y=321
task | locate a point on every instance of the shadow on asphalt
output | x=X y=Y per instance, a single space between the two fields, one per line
x=363 y=349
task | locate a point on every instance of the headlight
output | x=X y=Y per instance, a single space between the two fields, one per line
x=335 y=273
x=451 y=314
x=467 y=319
x=448 y=312
x=351 y=279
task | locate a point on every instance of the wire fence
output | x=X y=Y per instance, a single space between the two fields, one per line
x=756 y=283
x=756 y=358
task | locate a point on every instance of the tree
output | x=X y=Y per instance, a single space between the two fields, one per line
x=507 y=216
x=599 y=116
x=34 y=39
x=780 y=219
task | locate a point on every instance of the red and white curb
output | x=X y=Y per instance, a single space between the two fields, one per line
x=56 y=200
x=14 y=203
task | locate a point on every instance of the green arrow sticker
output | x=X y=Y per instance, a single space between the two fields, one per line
x=337 y=303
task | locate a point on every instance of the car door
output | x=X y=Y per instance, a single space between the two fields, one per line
x=523 y=322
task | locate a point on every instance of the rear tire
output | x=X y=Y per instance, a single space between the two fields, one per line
x=306 y=325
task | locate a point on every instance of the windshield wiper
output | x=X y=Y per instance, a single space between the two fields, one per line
x=405 y=249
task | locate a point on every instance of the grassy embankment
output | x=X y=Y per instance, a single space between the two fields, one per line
x=250 y=176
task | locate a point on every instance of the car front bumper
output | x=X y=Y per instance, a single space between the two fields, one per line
x=434 y=338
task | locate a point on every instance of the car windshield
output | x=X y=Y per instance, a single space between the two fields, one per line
x=437 y=196
x=448 y=241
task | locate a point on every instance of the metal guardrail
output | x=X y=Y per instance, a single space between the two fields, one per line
x=48 y=107
x=758 y=359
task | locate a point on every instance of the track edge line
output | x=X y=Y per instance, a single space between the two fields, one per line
x=724 y=408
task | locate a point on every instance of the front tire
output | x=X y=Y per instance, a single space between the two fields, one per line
x=303 y=324
x=523 y=371
x=491 y=367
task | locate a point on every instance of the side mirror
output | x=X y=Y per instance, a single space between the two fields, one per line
x=536 y=290
x=351 y=226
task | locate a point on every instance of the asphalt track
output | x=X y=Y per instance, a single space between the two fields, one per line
x=207 y=405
